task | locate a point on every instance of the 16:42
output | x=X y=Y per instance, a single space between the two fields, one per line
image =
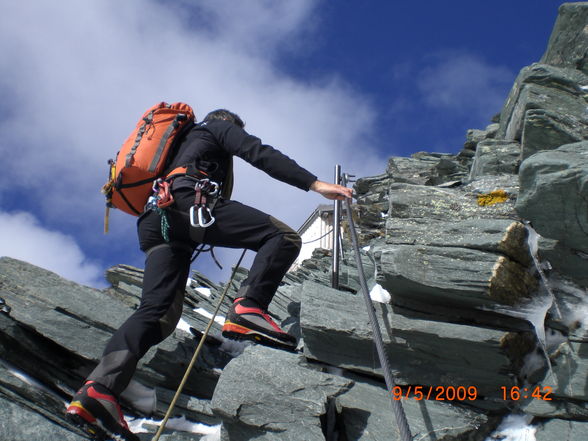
x=515 y=393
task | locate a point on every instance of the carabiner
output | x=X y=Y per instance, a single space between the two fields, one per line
x=201 y=221
x=215 y=191
x=210 y=188
x=193 y=220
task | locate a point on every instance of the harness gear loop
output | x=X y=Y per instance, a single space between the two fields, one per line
x=205 y=190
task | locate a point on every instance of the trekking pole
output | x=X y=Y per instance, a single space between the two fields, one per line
x=195 y=356
x=397 y=408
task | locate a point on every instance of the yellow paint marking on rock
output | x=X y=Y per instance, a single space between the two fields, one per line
x=492 y=198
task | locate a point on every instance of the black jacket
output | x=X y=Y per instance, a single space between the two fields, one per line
x=210 y=147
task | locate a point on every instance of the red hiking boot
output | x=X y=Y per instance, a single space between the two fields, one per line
x=96 y=410
x=253 y=323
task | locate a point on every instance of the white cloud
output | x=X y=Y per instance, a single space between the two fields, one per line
x=76 y=76
x=22 y=237
x=464 y=83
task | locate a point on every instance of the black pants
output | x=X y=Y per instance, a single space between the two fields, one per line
x=167 y=266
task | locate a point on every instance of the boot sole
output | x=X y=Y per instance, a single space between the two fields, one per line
x=237 y=332
x=97 y=433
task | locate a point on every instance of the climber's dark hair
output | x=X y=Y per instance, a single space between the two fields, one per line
x=226 y=115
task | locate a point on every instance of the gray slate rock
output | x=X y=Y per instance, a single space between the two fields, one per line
x=418 y=201
x=475 y=136
x=29 y=411
x=558 y=180
x=562 y=430
x=420 y=351
x=566 y=261
x=558 y=91
x=495 y=157
x=459 y=277
x=499 y=236
x=424 y=168
x=366 y=414
x=545 y=129
x=488 y=183
x=568 y=384
x=70 y=326
x=568 y=44
x=20 y=423
x=269 y=394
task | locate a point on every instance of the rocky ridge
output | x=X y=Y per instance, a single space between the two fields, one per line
x=484 y=255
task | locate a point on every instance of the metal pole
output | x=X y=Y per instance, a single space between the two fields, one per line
x=336 y=233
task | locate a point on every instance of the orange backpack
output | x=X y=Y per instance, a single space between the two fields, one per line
x=143 y=157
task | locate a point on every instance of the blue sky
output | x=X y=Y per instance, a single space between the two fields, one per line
x=324 y=81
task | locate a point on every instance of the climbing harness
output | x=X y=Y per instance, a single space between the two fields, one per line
x=198 y=348
x=207 y=193
x=401 y=420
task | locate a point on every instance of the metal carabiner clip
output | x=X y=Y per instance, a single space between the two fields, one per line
x=215 y=191
x=200 y=222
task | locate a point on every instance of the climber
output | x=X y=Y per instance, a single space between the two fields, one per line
x=207 y=149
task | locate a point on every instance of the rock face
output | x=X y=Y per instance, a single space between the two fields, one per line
x=271 y=395
x=545 y=178
x=483 y=256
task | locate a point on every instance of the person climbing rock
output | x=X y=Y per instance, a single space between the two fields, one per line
x=201 y=213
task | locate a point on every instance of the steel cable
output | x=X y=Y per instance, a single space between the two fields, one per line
x=397 y=408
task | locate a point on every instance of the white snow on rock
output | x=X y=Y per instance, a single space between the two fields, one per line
x=180 y=424
x=379 y=294
x=183 y=325
x=206 y=292
x=514 y=428
x=203 y=312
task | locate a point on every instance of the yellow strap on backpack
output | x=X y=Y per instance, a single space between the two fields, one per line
x=107 y=191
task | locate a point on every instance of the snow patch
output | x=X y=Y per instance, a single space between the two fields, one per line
x=579 y=315
x=206 y=292
x=180 y=424
x=183 y=325
x=202 y=290
x=575 y=313
x=379 y=294
x=514 y=428
x=203 y=312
